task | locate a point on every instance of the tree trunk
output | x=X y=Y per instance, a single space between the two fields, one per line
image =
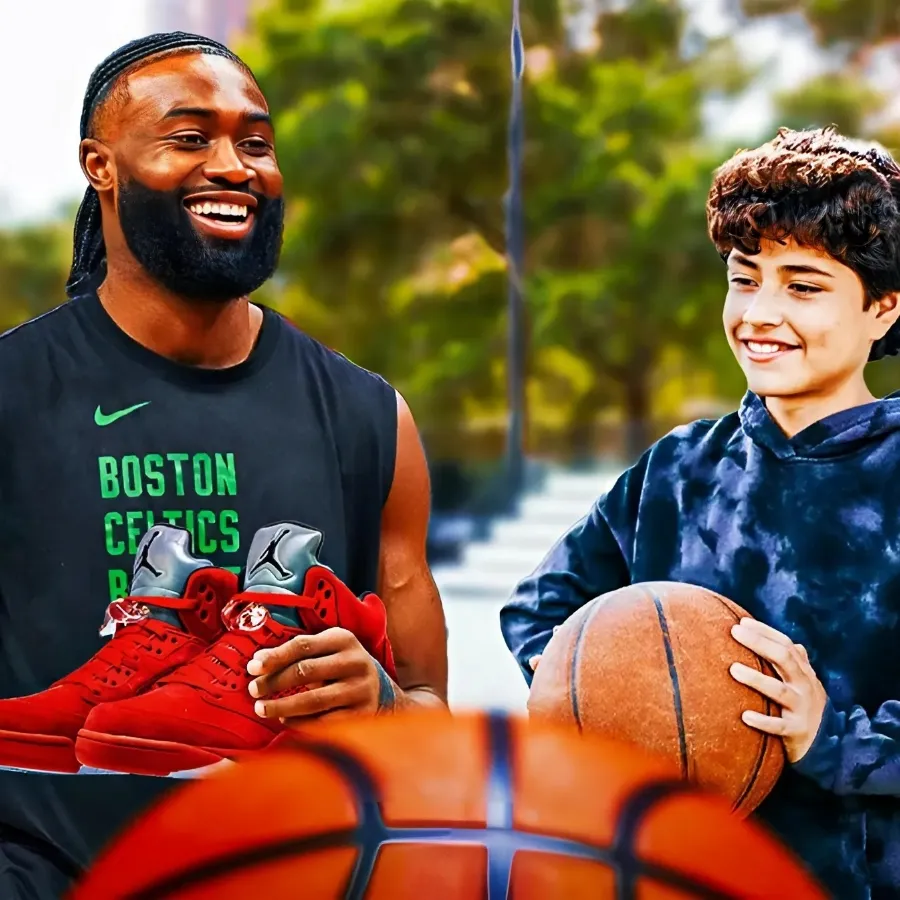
x=581 y=432
x=637 y=412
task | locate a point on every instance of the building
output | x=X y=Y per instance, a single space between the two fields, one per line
x=217 y=19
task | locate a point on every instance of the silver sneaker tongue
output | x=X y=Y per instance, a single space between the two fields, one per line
x=279 y=558
x=164 y=563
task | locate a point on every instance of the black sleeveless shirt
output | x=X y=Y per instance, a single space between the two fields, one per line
x=99 y=439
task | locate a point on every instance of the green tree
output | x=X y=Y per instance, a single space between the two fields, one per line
x=623 y=269
x=854 y=25
x=392 y=127
x=34 y=265
x=391 y=130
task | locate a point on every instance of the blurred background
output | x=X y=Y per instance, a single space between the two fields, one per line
x=392 y=130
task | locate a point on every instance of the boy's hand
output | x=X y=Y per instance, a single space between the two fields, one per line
x=800 y=694
x=533 y=662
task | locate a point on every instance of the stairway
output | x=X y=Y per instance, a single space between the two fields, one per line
x=483 y=674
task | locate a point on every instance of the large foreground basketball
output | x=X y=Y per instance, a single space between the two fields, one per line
x=426 y=807
x=649 y=665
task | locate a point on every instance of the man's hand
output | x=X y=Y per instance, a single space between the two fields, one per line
x=799 y=693
x=338 y=673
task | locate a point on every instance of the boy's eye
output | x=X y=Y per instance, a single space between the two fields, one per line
x=806 y=289
x=744 y=282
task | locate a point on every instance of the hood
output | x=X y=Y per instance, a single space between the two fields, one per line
x=836 y=435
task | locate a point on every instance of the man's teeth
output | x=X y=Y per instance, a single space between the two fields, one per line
x=218 y=209
x=757 y=347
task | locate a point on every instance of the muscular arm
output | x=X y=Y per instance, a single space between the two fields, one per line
x=416 y=624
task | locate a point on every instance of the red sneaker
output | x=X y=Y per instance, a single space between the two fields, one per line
x=203 y=712
x=172 y=614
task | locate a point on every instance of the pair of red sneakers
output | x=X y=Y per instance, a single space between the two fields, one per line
x=169 y=691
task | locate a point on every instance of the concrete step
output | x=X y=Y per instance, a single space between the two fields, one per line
x=474 y=583
x=527 y=534
x=511 y=558
x=545 y=509
x=483 y=674
x=581 y=487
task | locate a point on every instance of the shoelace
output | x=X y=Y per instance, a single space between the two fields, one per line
x=123 y=652
x=225 y=662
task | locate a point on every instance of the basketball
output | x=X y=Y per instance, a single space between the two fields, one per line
x=424 y=805
x=648 y=664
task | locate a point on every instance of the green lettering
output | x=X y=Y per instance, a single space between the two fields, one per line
x=226 y=475
x=189 y=523
x=235 y=569
x=118 y=584
x=203 y=484
x=109 y=477
x=134 y=529
x=205 y=544
x=173 y=516
x=177 y=459
x=113 y=547
x=230 y=538
x=131 y=476
x=154 y=480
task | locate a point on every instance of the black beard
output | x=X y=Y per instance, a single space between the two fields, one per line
x=159 y=232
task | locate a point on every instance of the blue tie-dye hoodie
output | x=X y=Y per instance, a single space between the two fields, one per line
x=804 y=533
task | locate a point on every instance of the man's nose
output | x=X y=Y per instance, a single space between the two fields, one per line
x=225 y=165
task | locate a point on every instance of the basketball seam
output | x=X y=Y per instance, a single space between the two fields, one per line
x=573 y=666
x=764 y=738
x=619 y=854
x=673 y=677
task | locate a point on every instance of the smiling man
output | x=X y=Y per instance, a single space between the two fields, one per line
x=160 y=429
x=790 y=506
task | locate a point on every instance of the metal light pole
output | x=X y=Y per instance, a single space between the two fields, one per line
x=515 y=254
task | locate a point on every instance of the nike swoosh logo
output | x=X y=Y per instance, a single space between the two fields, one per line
x=102 y=419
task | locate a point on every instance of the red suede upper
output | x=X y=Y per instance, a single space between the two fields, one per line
x=140 y=650
x=206 y=703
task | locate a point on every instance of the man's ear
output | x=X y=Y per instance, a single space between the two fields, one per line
x=98 y=165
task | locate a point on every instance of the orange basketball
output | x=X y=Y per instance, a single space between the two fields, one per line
x=428 y=807
x=649 y=665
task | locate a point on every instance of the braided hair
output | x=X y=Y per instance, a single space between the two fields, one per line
x=89 y=256
x=825 y=190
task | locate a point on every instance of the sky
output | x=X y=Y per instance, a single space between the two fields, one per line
x=48 y=49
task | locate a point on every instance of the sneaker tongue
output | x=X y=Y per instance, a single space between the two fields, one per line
x=279 y=558
x=162 y=566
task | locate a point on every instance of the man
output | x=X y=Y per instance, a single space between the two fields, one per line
x=161 y=394
x=790 y=506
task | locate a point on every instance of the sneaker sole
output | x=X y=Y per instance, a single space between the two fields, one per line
x=38 y=752
x=142 y=756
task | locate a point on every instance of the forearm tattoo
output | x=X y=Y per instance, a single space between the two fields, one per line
x=387 y=696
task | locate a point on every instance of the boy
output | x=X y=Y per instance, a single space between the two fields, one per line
x=790 y=506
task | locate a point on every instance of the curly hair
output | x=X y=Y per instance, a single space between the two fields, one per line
x=825 y=191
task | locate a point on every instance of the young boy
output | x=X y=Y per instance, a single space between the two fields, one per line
x=790 y=506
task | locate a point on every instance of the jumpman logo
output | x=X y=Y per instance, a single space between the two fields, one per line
x=143 y=561
x=268 y=556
